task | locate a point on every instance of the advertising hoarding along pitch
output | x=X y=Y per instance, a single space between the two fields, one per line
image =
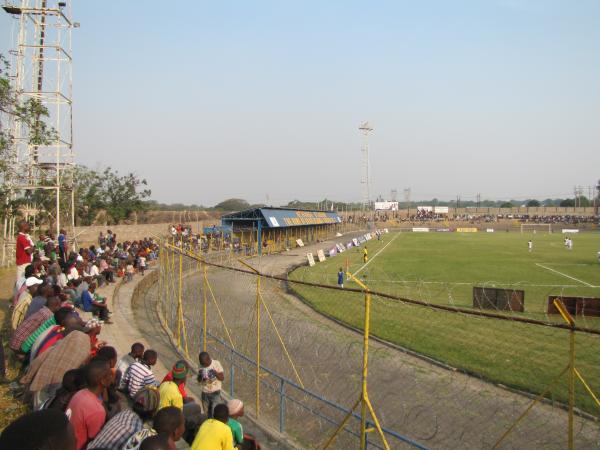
x=386 y=206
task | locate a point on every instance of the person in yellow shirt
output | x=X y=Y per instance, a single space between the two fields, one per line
x=170 y=395
x=365 y=255
x=215 y=434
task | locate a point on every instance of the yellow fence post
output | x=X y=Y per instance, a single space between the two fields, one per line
x=204 y=306
x=365 y=371
x=258 y=346
x=179 y=315
x=364 y=395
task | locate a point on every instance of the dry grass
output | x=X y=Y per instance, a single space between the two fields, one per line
x=10 y=407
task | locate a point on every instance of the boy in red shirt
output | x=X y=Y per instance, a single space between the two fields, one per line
x=85 y=410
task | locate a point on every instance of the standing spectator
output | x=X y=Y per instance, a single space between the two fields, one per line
x=341 y=278
x=210 y=377
x=136 y=353
x=63 y=245
x=140 y=373
x=129 y=271
x=142 y=262
x=214 y=433
x=24 y=248
x=85 y=410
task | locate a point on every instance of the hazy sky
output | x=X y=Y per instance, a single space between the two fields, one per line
x=210 y=100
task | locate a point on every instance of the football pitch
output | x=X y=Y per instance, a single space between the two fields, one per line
x=442 y=268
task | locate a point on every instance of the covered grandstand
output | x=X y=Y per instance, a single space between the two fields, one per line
x=279 y=228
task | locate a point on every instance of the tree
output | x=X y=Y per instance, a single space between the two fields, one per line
x=232 y=204
x=506 y=205
x=107 y=191
x=533 y=204
x=124 y=194
x=567 y=203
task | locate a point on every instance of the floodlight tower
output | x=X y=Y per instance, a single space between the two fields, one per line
x=597 y=199
x=42 y=75
x=366 y=129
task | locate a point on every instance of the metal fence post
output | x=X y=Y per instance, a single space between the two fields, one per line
x=281 y=405
x=258 y=346
x=232 y=375
x=571 y=385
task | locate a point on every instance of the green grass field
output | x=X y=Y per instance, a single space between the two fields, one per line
x=442 y=268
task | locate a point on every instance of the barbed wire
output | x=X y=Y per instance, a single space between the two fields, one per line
x=442 y=374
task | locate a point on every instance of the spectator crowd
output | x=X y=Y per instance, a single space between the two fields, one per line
x=84 y=395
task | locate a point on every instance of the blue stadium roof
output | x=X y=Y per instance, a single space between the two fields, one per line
x=282 y=217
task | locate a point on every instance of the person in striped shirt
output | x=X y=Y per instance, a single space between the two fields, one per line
x=140 y=373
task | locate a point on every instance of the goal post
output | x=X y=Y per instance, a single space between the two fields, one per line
x=533 y=227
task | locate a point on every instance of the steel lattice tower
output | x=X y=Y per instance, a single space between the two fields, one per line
x=366 y=129
x=42 y=71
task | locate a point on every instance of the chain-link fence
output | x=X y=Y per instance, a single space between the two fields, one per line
x=438 y=376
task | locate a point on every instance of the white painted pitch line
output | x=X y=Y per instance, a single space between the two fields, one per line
x=467 y=283
x=375 y=255
x=565 y=275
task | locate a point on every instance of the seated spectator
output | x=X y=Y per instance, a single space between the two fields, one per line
x=85 y=410
x=178 y=367
x=24 y=301
x=97 y=308
x=72 y=382
x=140 y=373
x=169 y=390
x=33 y=322
x=47 y=371
x=170 y=395
x=120 y=429
x=167 y=422
x=39 y=430
x=106 y=270
x=158 y=442
x=236 y=410
x=110 y=396
x=57 y=319
x=214 y=433
x=50 y=337
x=20 y=285
x=44 y=292
x=136 y=353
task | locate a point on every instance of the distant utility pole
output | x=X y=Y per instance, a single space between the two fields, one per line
x=394 y=195
x=478 y=200
x=366 y=129
x=597 y=198
x=407 y=200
